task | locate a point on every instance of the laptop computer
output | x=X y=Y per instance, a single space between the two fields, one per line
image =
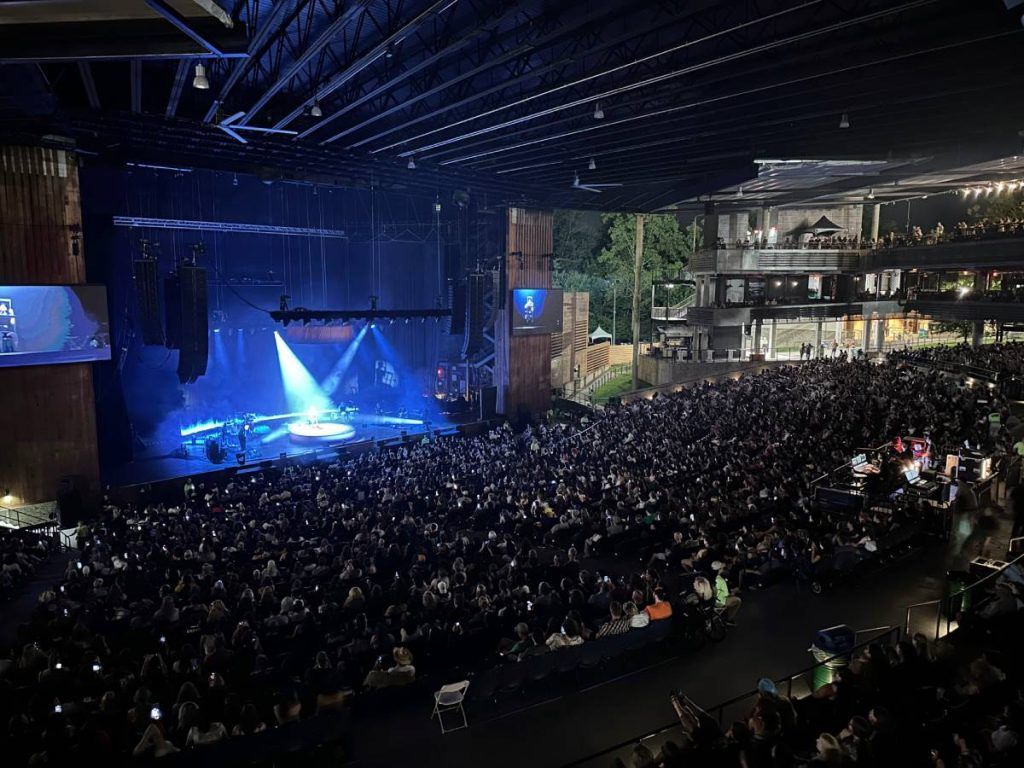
x=914 y=479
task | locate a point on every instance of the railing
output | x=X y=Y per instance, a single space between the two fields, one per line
x=937 y=604
x=606 y=757
x=585 y=392
x=944 y=605
x=21 y=517
x=724 y=260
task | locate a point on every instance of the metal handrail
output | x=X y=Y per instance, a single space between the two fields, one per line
x=971 y=587
x=938 y=615
x=869 y=630
x=720 y=708
x=945 y=604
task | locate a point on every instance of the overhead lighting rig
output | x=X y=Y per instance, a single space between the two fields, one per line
x=328 y=316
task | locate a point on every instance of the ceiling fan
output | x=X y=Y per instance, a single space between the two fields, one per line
x=576 y=184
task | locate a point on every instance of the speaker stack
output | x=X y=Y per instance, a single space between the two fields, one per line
x=187 y=321
x=457 y=302
x=473 y=335
x=147 y=299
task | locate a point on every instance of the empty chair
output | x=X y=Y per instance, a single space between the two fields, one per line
x=449 y=699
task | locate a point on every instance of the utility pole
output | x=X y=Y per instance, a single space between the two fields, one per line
x=615 y=286
x=638 y=254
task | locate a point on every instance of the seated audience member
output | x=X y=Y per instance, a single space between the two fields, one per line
x=617 y=623
x=724 y=599
x=384 y=675
x=637 y=618
x=661 y=608
x=567 y=635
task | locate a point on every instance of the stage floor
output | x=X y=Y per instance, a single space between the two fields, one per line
x=165 y=466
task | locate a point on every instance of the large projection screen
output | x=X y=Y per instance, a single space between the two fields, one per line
x=536 y=310
x=47 y=324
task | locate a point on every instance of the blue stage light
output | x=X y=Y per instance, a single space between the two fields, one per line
x=300 y=388
x=334 y=379
x=197 y=429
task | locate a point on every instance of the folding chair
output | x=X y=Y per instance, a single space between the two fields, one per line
x=449 y=699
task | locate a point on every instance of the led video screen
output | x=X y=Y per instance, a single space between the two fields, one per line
x=536 y=310
x=45 y=324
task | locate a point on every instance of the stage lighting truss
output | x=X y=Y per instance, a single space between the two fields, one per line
x=335 y=316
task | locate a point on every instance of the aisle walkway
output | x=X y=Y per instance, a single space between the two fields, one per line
x=19 y=610
x=775 y=629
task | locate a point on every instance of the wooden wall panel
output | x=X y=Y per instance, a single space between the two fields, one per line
x=523 y=364
x=50 y=418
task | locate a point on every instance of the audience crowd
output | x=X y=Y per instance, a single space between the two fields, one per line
x=249 y=604
x=1005 y=358
x=915 y=703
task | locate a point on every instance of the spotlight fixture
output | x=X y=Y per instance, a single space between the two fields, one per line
x=739 y=192
x=234 y=180
x=871 y=194
x=598 y=112
x=411 y=165
x=592 y=165
x=389 y=52
x=844 y=121
x=200 y=81
x=315 y=110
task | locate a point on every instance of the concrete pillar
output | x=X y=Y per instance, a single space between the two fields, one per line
x=977 y=333
x=817 y=338
x=756 y=335
x=876 y=212
x=980 y=279
x=710 y=224
x=866 y=339
x=880 y=334
x=771 y=338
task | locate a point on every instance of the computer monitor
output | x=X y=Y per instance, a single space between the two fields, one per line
x=912 y=475
x=859 y=459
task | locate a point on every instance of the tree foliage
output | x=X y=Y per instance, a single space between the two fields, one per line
x=1002 y=206
x=595 y=254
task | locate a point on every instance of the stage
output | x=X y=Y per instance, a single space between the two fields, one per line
x=299 y=438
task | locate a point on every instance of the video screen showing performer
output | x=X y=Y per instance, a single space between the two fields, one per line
x=536 y=310
x=43 y=324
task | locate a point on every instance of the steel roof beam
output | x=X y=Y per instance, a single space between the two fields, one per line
x=85 y=70
x=325 y=37
x=180 y=76
x=185 y=26
x=359 y=62
x=278 y=20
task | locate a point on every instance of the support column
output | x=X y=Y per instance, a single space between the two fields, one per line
x=876 y=212
x=817 y=339
x=638 y=254
x=756 y=336
x=771 y=338
x=880 y=334
x=710 y=224
x=977 y=333
x=866 y=339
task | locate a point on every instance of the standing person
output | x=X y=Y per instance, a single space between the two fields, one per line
x=724 y=599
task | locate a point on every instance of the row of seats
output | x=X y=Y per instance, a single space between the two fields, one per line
x=567 y=669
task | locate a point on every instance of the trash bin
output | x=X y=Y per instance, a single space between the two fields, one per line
x=831 y=648
x=956 y=581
